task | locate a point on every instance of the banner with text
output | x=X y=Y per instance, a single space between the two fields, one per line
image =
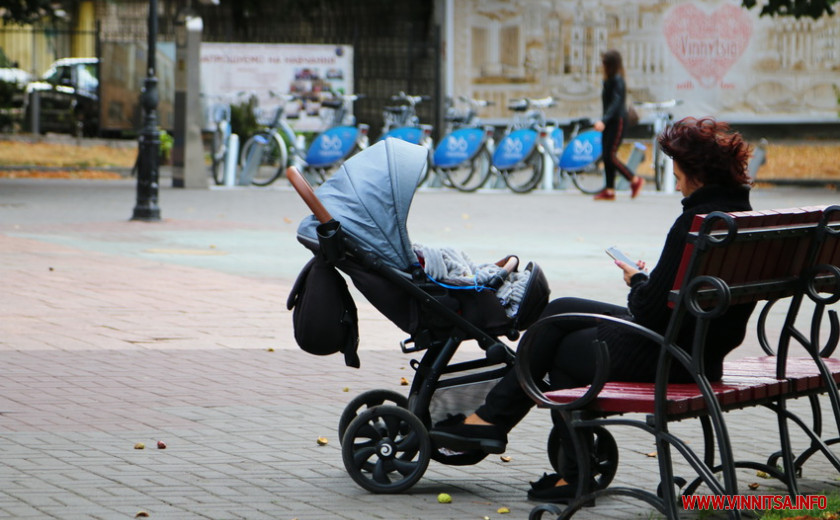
x=230 y=72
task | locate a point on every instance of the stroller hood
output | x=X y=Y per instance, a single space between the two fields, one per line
x=370 y=195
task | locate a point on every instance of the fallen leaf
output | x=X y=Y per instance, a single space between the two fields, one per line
x=141 y=514
x=506 y=458
x=753 y=485
x=287 y=220
x=762 y=474
x=161 y=445
x=322 y=441
x=652 y=454
x=345 y=389
x=444 y=498
x=270 y=349
x=139 y=446
x=403 y=381
x=503 y=510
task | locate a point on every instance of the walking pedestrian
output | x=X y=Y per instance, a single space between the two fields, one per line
x=613 y=124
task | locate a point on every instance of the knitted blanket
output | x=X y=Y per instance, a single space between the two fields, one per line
x=449 y=266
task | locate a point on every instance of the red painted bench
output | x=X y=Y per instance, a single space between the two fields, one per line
x=781 y=257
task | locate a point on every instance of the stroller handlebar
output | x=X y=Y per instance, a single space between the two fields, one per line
x=509 y=265
x=306 y=192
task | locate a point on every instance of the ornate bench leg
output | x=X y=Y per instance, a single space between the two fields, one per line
x=787 y=450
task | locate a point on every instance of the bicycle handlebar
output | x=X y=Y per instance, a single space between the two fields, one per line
x=411 y=100
x=658 y=105
x=521 y=105
x=476 y=102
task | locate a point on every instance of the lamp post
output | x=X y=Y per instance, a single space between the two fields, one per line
x=149 y=142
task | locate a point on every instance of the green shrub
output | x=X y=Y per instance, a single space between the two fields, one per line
x=243 y=119
x=166 y=144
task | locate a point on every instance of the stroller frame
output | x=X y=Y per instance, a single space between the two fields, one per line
x=384 y=435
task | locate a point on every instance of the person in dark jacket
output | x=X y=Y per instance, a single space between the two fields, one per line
x=612 y=125
x=710 y=166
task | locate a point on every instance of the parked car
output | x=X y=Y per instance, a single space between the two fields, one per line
x=67 y=98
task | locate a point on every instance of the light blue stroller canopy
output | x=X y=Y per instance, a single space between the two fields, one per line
x=370 y=195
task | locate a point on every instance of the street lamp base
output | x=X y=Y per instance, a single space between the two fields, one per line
x=146 y=214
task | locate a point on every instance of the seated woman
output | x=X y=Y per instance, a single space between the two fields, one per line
x=710 y=164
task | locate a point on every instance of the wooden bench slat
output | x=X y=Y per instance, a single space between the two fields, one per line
x=745 y=381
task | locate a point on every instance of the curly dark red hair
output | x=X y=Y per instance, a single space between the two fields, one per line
x=707 y=151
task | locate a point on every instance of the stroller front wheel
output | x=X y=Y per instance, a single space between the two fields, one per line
x=367 y=400
x=386 y=449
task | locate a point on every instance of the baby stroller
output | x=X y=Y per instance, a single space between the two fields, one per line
x=359 y=227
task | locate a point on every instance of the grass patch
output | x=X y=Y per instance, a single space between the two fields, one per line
x=61 y=155
x=831 y=512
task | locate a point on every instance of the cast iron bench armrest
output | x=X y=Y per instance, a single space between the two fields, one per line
x=523 y=358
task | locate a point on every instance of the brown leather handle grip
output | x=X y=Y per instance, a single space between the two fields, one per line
x=301 y=185
x=509 y=263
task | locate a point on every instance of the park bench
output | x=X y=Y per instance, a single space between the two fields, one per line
x=782 y=257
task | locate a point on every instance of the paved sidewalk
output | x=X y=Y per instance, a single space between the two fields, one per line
x=115 y=332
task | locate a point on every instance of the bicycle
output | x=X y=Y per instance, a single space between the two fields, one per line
x=662 y=119
x=402 y=122
x=266 y=155
x=580 y=158
x=220 y=114
x=462 y=158
x=524 y=154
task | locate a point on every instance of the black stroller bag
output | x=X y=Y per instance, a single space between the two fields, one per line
x=324 y=316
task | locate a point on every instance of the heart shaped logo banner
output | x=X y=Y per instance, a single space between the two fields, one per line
x=707 y=44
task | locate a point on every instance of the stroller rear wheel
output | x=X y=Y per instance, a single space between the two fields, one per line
x=366 y=400
x=604 y=455
x=386 y=449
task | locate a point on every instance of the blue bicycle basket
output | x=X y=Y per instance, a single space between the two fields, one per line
x=412 y=134
x=581 y=151
x=458 y=147
x=514 y=148
x=331 y=146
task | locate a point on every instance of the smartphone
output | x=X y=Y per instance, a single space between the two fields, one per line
x=616 y=254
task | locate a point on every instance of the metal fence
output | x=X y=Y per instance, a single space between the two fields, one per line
x=395 y=44
x=33 y=49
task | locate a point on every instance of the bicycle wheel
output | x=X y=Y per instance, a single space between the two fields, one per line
x=218 y=151
x=590 y=180
x=527 y=177
x=658 y=166
x=471 y=175
x=268 y=165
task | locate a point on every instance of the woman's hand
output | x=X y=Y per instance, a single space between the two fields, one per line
x=599 y=126
x=630 y=270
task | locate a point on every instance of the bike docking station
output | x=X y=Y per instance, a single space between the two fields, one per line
x=231 y=164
